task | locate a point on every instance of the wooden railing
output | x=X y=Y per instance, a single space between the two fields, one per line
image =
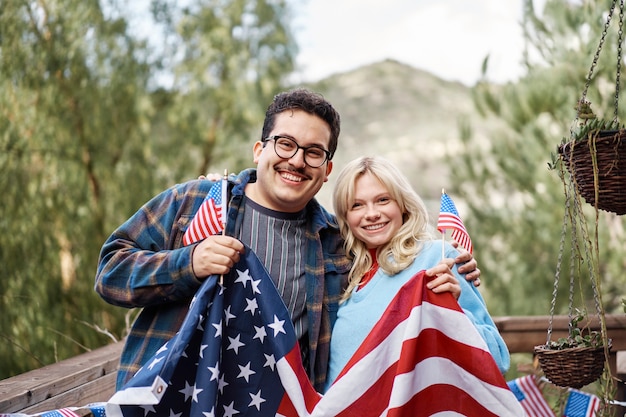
x=74 y=382
x=90 y=377
x=522 y=333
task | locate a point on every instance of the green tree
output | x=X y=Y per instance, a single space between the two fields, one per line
x=88 y=133
x=72 y=108
x=228 y=59
x=516 y=204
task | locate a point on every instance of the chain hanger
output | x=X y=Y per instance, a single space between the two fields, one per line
x=620 y=35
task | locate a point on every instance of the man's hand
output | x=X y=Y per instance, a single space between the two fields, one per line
x=215 y=255
x=467 y=264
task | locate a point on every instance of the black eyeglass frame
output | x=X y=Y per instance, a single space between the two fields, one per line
x=298 y=147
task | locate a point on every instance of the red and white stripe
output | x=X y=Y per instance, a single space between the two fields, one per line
x=459 y=233
x=422 y=358
x=533 y=403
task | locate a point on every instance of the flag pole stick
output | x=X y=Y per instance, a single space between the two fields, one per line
x=224 y=209
x=443 y=235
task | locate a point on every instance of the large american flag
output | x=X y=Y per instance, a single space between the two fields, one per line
x=210 y=218
x=530 y=396
x=449 y=219
x=236 y=355
x=225 y=360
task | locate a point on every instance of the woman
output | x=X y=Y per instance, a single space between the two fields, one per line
x=387 y=234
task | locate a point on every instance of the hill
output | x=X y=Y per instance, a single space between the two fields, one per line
x=404 y=114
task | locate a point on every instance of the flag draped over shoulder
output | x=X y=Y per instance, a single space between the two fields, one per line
x=581 y=404
x=449 y=219
x=209 y=220
x=423 y=357
x=530 y=397
x=236 y=355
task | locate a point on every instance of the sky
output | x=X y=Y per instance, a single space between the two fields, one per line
x=449 y=38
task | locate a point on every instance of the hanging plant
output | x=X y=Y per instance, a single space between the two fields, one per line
x=591 y=163
x=576 y=360
x=582 y=357
x=595 y=154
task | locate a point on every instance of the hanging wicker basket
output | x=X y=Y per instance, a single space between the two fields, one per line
x=572 y=367
x=609 y=149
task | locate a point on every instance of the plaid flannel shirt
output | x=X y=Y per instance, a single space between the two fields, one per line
x=144 y=264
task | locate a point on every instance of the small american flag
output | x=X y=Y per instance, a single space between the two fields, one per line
x=209 y=220
x=92 y=409
x=62 y=412
x=449 y=219
x=530 y=397
x=581 y=404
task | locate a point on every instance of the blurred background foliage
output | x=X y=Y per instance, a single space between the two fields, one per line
x=516 y=204
x=89 y=132
x=95 y=120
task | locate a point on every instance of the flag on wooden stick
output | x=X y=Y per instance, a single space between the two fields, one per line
x=530 y=396
x=449 y=219
x=581 y=404
x=211 y=216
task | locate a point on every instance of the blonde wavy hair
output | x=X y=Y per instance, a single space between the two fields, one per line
x=397 y=254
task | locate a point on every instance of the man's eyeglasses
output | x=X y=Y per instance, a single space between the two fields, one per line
x=286 y=148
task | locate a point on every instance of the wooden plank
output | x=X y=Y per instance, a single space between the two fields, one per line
x=33 y=387
x=621 y=363
x=99 y=390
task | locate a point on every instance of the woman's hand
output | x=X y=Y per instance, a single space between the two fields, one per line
x=444 y=280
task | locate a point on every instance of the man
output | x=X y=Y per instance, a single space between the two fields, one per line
x=271 y=209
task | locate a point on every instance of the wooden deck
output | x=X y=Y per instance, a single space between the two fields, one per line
x=90 y=377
